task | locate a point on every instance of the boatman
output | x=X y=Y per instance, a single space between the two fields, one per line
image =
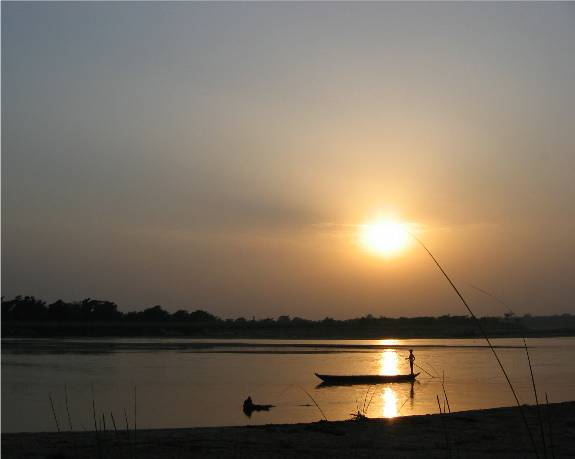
x=411 y=359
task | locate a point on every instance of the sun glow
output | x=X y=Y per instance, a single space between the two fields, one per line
x=384 y=237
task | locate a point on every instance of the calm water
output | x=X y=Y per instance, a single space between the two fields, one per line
x=184 y=383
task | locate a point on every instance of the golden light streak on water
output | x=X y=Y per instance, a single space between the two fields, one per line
x=389 y=403
x=388 y=342
x=389 y=362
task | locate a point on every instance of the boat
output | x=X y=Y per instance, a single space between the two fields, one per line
x=366 y=379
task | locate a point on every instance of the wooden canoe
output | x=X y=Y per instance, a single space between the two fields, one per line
x=366 y=379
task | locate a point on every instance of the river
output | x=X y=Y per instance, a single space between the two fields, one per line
x=185 y=383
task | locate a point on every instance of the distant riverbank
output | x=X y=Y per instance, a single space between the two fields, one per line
x=494 y=433
x=362 y=328
x=32 y=317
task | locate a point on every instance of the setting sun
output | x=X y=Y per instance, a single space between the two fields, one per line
x=384 y=237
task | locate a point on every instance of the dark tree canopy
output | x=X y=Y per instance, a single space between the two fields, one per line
x=93 y=317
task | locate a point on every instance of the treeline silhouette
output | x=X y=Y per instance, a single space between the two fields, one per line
x=29 y=308
x=30 y=316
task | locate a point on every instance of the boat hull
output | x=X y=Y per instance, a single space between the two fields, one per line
x=366 y=379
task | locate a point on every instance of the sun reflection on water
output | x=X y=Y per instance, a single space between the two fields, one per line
x=389 y=403
x=389 y=364
x=388 y=342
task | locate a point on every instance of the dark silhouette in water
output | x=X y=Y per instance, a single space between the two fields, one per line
x=249 y=407
x=411 y=359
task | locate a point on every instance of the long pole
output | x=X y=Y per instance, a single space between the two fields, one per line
x=423 y=369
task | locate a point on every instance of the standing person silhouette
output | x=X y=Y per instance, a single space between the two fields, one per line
x=411 y=359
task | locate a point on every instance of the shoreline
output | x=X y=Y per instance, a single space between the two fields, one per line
x=494 y=432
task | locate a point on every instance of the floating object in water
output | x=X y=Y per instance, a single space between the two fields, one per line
x=366 y=379
x=249 y=407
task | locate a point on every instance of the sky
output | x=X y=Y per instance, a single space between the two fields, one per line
x=224 y=156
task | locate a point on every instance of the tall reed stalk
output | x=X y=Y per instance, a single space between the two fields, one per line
x=94 y=409
x=370 y=400
x=445 y=392
x=68 y=407
x=297 y=386
x=114 y=423
x=313 y=400
x=98 y=444
x=54 y=413
x=441 y=413
x=486 y=337
x=548 y=410
x=365 y=399
x=533 y=385
x=135 y=417
x=67 y=402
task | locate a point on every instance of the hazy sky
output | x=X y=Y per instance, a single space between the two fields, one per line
x=221 y=156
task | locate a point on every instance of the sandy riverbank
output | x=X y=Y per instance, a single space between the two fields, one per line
x=492 y=433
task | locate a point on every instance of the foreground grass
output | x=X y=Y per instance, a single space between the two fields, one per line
x=494 y=433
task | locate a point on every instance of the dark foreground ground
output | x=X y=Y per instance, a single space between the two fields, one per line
x=494 y=433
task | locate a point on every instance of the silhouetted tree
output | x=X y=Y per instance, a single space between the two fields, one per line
x=105 y=310
x=181 y=316
x=154 y=314
x=27 y=308
x=60 y=310
x=299 y=321
x=202 y=316
x=7 y=309
x=90 y=309
x=284 y=320
x=202 y=323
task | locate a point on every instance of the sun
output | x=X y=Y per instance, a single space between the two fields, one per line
x=384 y=237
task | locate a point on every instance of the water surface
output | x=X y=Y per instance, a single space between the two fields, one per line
x=186 y=383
